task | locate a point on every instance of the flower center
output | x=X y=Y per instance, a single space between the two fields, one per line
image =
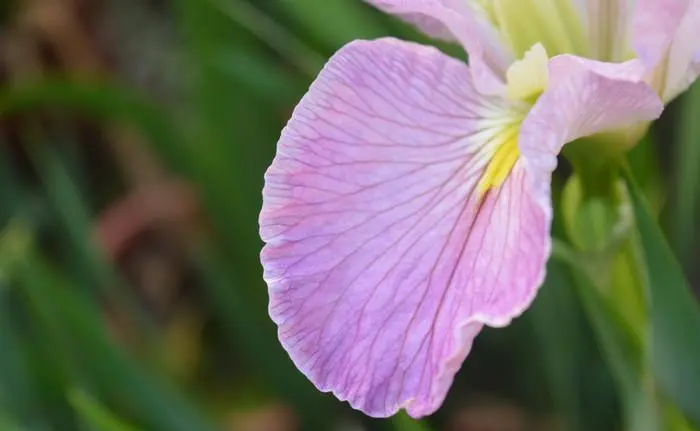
x=526 y=80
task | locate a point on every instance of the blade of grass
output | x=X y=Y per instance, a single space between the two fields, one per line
x=7 y=424
x=256 y=335
x=264 y=77
x=18 y=393
x=230 y=167
x=92 y=267
x=674 y=313
x=561 y=342
x=286 y=44
x=687 y=182
x=334 y=23
x=28 y=393
x=156 y=405
x=95 y=414
x=228 y=118
x=644 y=160
x=102 y=101
x=622 y=349
x=17 y=240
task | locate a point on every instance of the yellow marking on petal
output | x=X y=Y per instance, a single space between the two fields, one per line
x=503 y=159
x=528 y=78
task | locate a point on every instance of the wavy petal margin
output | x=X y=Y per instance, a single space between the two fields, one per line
x=382 y=260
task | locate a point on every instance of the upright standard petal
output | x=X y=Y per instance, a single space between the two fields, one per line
x=463 y=21
x=683 y=57
x=431 y=16
x=608 y=23
x=665 y=38
x=584 y=97
x=384 y=254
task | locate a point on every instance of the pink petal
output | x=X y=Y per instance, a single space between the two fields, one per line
x=382 y=262
x=428 y=15
x=665 y=36
x=654 y=23
x=683 y=63
x=584 y=97
x=489 y=56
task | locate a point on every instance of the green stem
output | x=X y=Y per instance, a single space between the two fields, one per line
x=596 y=167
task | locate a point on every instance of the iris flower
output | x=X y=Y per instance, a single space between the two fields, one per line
x=409 y=201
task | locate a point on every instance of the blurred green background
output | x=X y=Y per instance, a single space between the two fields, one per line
x=134 y=135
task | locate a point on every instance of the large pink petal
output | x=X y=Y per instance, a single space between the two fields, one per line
x=489 y=56
x=584 y=97
x=666 y=39
x=382 y=262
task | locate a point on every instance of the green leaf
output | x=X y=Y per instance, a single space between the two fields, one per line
x=644 y=161
x=74 y=218
x=276 y=36
x=101 y=101
x=335 y=22
x=555 y=320
x=674 y=314
x=620 y=345
x=18 y=386
x=6 y=424
x=95 y=414
x=74 y=325
x=228 y=118
x=687 y=168
x=403 y=422
x=256 y=335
